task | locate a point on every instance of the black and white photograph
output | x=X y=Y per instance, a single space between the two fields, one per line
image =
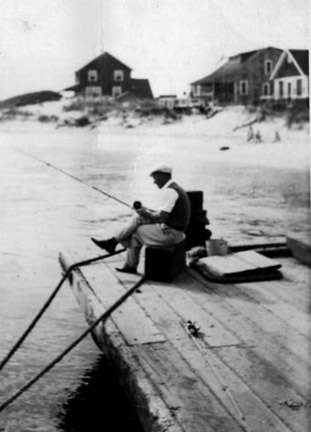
x=155 y=240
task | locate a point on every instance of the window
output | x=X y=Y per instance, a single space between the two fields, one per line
x=266 y=89
x=289 y=90
x=118 y=75
x=116 y=91
x=281 y=89
x=93 y=91
x=268 y=67
x=92 y=75
x=243 y=88
x=299 y=87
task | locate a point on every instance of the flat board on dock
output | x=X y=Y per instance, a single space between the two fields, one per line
x=248 y=371
x=300 y=246
x=244 y=266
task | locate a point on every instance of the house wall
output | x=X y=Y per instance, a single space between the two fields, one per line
x=105 y=77
x=228 y=88
x=253 y=71
x=203 y=91
x=287 y=69
x=292 y=80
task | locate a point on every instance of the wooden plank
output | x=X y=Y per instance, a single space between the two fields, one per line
x=270 y=324
x=271 y=346
x=298 y=319
x=287 y=291
x=85 y=296
x=252 y=406
x=257 y=260
x=163 y=312
x=300 y=245
x=132 y=321
x=183 y=307
x=195 y=406
x=260 y=244
x=282 y=331
x=152 y=410
x=238 y=263
x=192 y=378
x=269 y=384
x=227 y=264
x=197 y=417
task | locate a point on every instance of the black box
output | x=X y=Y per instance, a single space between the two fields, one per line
x=164 y=263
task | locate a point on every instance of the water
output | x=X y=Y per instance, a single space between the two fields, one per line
x=44 y=212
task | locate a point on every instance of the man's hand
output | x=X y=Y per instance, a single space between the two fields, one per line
x=143 y=212
x=152 y=215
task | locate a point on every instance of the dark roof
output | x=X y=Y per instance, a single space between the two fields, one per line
x=244 y=56
x=141 y=88
x=103 y=59
x=302 y=58
x=221 y=73
x=230 y=67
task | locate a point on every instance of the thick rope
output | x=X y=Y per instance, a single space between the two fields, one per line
x=48 y=302
x=102 y=318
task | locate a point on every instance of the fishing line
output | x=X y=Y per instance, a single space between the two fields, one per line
x=136 y=205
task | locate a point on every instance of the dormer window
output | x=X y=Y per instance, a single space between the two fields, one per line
x=92 y=75
x=118 y=75
x=268 y=67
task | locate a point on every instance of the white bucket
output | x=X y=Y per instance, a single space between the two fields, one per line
x=217 y=247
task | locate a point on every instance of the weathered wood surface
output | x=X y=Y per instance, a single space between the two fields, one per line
x=255 y=336
x=300 y=246
x=238 y=263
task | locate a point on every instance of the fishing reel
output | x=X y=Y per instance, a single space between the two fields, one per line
x=137 y=205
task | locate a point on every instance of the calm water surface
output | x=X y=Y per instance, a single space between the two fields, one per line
x=43 y=212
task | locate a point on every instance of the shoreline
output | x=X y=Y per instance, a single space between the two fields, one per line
x=207 y=135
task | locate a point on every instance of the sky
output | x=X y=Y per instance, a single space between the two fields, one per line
x=170 y=42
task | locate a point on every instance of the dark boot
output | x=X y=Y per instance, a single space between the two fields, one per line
x=109 y=245
x=126 y=269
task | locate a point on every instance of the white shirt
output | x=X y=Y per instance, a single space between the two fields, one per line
x=168 y=197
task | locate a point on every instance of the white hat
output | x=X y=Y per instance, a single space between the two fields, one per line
x=162 y=169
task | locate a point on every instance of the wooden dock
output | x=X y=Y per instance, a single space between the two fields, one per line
x=251 y=370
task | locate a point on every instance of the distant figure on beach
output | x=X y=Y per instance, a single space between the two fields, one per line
x=277 y=137
x=258 y=138
x=250 y=134
x=163 y=227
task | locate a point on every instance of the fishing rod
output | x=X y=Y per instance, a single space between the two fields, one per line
x=136 y=205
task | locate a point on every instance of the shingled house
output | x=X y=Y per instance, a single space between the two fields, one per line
x=108 y=76
x=291 y=76
x=243 y=79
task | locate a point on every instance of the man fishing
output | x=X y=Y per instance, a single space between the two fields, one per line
x=163 y=227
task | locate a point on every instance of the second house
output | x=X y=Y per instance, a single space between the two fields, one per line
x=108 y=76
